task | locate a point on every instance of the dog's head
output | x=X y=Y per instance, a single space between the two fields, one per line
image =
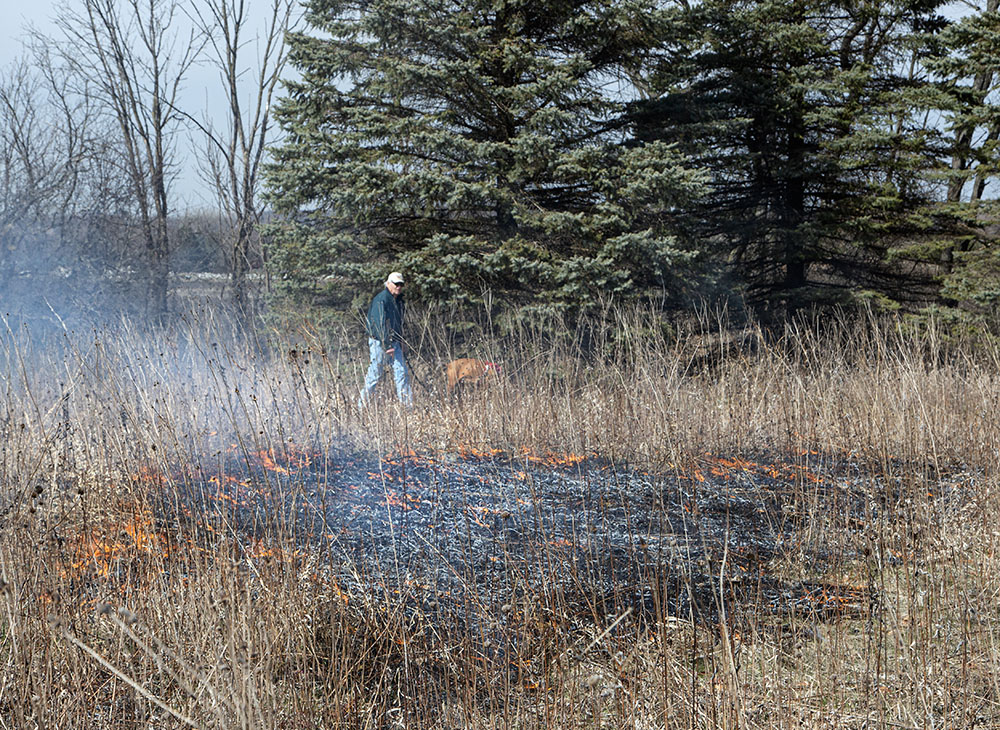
x=491 y=367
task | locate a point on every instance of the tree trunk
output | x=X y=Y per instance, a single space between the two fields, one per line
x=792 y=215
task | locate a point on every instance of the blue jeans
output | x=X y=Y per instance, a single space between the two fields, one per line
x=377 y=365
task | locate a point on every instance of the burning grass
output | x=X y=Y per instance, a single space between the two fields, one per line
x=200 y=530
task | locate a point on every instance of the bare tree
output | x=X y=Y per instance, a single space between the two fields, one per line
x=236 y=150
x=133 y=56
x=44 y=146
x=64 y=209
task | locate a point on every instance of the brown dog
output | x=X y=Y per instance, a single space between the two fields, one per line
x=469 y=370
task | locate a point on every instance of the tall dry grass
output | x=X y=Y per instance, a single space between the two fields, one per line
x=112 y=620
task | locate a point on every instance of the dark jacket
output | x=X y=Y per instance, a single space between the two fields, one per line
x=385 y=319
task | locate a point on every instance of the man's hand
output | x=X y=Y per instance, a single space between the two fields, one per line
x=390 y=351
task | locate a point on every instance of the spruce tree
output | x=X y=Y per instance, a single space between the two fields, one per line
x=479 y=146
x=966 y=64
x=810 y=120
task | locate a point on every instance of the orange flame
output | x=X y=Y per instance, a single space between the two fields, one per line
x=392 y=499
x=292 y=459
x=553 y=459
x=471 y=452
x=96 y=550
x=728 y=468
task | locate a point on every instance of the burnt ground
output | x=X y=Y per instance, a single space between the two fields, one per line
x=470 y=537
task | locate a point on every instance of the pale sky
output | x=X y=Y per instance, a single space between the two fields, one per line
x=15 y=15
x=200 y=90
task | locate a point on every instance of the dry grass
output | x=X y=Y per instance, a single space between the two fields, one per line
x=109 y=620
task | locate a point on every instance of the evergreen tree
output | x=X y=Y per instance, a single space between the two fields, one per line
x=966 y=63
x=805 y=112
x=478 y=145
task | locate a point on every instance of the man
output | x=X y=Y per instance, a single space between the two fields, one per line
x=385 y=340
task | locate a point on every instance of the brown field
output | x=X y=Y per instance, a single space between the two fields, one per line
x=114 y=616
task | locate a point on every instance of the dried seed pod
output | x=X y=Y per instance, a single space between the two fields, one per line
x=127 y=616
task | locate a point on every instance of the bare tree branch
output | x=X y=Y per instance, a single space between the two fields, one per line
x=234 y=151
x=134 y=58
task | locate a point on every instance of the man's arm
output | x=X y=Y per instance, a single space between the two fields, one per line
x=377 y=321
x=394 y=324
